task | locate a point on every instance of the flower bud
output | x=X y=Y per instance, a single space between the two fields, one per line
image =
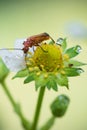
x=60 y=105
x=3 y=70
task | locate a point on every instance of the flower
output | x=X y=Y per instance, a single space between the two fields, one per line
x=49 y=64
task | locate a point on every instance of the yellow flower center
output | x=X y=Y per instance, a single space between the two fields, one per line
x=48 y=57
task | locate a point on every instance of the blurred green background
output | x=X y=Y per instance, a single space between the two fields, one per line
x=23 y=18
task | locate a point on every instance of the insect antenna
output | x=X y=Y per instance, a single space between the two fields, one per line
x=52 y=39
x=11 y=49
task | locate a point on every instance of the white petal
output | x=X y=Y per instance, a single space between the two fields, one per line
x=32 y=49
x=19 y=43
x=13 y=61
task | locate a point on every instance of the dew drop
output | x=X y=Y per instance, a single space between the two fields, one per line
x=78 y=49
x=59 y=41
x=80 y=70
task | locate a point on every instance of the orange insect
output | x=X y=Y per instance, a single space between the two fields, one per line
x=35 y=41
x=15 y=60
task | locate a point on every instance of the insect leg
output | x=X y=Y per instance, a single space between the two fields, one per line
x=52 y=39
x=42 y=49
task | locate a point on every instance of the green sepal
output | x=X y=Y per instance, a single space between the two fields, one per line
x=60 y=105
x=40 y=81
x=62 y=80
x=73 y=71
x=64 y=44
x=51 y=83
x=73 y=51
x=30 y=77
x=21 y=73
x=51 y=42
x=76 y=63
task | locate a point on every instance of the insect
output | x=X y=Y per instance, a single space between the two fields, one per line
x=35 y=41
x=16 y=60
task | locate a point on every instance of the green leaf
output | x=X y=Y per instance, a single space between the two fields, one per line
x=22 y=73
x=74 y=51
x=73 y=71
x=76 y=63
x=31 y=77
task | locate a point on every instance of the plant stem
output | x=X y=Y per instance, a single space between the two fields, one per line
x=25 y=123
x=48 y=124
x=8 y=94
x=38 y=108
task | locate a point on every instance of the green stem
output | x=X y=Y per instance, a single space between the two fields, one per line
x=38 y=108
x=8 y=94
x=16 y=107
x=48 y=124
